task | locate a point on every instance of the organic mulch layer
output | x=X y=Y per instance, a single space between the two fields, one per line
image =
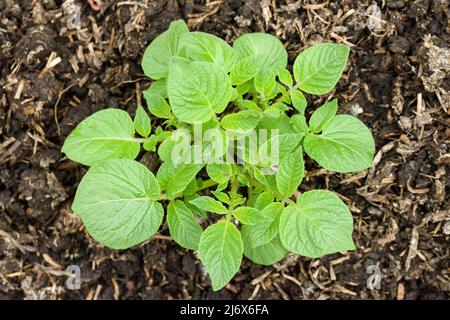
x=397 y=82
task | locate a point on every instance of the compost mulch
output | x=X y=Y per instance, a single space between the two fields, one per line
x=397 y=82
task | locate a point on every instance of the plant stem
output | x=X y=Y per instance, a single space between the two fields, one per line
x=207 y=183
x=288 y=92
x=257 y=184
x=289 y=201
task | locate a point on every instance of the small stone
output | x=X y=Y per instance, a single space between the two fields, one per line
x=398 y=44
x=356 y=109
x=446 y=228
x=129 y=285
x=395 y=4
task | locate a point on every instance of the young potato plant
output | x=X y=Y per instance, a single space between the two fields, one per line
x=209 y=103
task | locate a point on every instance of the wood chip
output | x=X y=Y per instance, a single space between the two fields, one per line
x=50 y=261
x=415 y=191
x=400 y=291
x=315 y=6
x=281 y=291
x=291 y=278
x=260 y=278
x=339 y=260
x=255 y=292
x=19 y=89
x=345 y=290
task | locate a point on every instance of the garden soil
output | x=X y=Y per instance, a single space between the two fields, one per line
x=397 y=82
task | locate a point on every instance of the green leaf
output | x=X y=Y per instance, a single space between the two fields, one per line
x=158 y=55
x=287 y=142
x=222 y=186
x=150 y=144
x=192 y=188
x=282 y=124
x=298 y=122
x=265 y=48
x=298 y=101
x=246 y=215
x=183 y=227
x=267 y=254
x=174 y=179
x=268 y=180
x=267 y=226
x=243 y=180
x=275 y=110
x=254 y=194
x=158 y=87
x=161 y=134
x=165 y=150
x=221 y=196
x=345 y=145
x=243 y=88
x=247 y=104
x=272 y=112
x=211 y=124
x=318 y=224
x=197 y=90
x=275 y=148
x=142 y=122
x=157 y=105
x=209 y=204
x=280 y=106
x=264 y=82
x=285 y=78
x=107 y=134
x=214 y=146
x=277 y=89
x=176 y=148
x=318 y=68
x=290 y=172
x=263 y=200
x=220 y=172
x=236 y=199
x=117 y=201
x=323 y=115
x=244 y=70
x=194 y=209
x=235 y=95
x=241 y=121
x=220 y=251
x=201 y=46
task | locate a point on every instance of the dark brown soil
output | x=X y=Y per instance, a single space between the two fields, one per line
x=397 y=82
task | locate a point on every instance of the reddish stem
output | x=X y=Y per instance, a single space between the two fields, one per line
x=94 y=5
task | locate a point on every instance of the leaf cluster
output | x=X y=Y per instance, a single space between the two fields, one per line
x=252 y=202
